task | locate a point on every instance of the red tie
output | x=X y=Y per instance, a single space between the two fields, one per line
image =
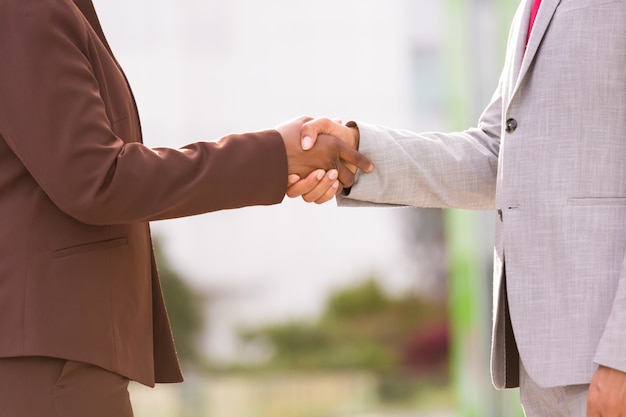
x=533 y=16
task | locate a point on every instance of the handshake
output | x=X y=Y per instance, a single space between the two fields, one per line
x=322 y=157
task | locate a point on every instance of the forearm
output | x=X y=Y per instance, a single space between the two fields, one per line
x=152 y=184
x=427 y=170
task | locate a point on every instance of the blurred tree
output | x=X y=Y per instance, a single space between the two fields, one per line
x=185 y=311
x=363 y=328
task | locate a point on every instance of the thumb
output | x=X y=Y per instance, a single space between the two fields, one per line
x=310 y=131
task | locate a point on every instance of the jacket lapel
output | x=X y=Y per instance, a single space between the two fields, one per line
x=87 y=9
x=525 y=53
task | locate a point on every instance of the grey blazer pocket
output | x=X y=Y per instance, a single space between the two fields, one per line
x=571 y=5
x=596 y=201
x=88 y=247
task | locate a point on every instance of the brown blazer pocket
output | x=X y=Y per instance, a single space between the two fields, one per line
x=88 y=247
x=596 y=201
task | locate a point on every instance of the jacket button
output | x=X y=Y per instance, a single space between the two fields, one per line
x=511 y=125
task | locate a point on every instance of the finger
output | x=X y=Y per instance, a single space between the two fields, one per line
x=351 y=157
x=325 y=189
x=592 y=411
x=305 y=185
x=346 y=177
x=330 y=194
x=311 y=129
x=292 y=179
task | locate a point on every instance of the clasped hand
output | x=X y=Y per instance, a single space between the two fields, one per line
x=322 y=158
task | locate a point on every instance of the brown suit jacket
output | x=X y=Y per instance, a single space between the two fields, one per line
x=78 y=188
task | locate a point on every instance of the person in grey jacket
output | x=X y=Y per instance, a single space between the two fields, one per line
x=549 y=157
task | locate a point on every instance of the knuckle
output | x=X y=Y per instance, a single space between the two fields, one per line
x=293 y=193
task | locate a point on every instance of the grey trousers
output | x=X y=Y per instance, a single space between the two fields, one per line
x=49 y=387
x=567 y=401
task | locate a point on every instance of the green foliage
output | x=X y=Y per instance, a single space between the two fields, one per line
x=184 y=308
x=362 y=300
x=294 y=337
x=363 y=328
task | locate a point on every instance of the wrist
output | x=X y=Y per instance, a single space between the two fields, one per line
x=354 y=128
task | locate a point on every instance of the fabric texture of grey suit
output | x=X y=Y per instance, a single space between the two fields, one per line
x=549 y=154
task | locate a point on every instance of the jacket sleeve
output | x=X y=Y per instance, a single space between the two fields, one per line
x=54 y=118
x=610 y=351
x=454 y=170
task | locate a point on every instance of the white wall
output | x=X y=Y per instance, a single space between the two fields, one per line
x=201 y=69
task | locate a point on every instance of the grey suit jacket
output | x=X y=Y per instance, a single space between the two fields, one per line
x=549 y=155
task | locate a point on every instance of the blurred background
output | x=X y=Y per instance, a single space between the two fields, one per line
x=300 y=310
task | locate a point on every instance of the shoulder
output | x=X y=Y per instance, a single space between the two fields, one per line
x=37 y=15
x=40 y=26
x=27 y=8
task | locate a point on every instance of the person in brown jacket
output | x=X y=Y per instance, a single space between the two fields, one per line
x=81 y=310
